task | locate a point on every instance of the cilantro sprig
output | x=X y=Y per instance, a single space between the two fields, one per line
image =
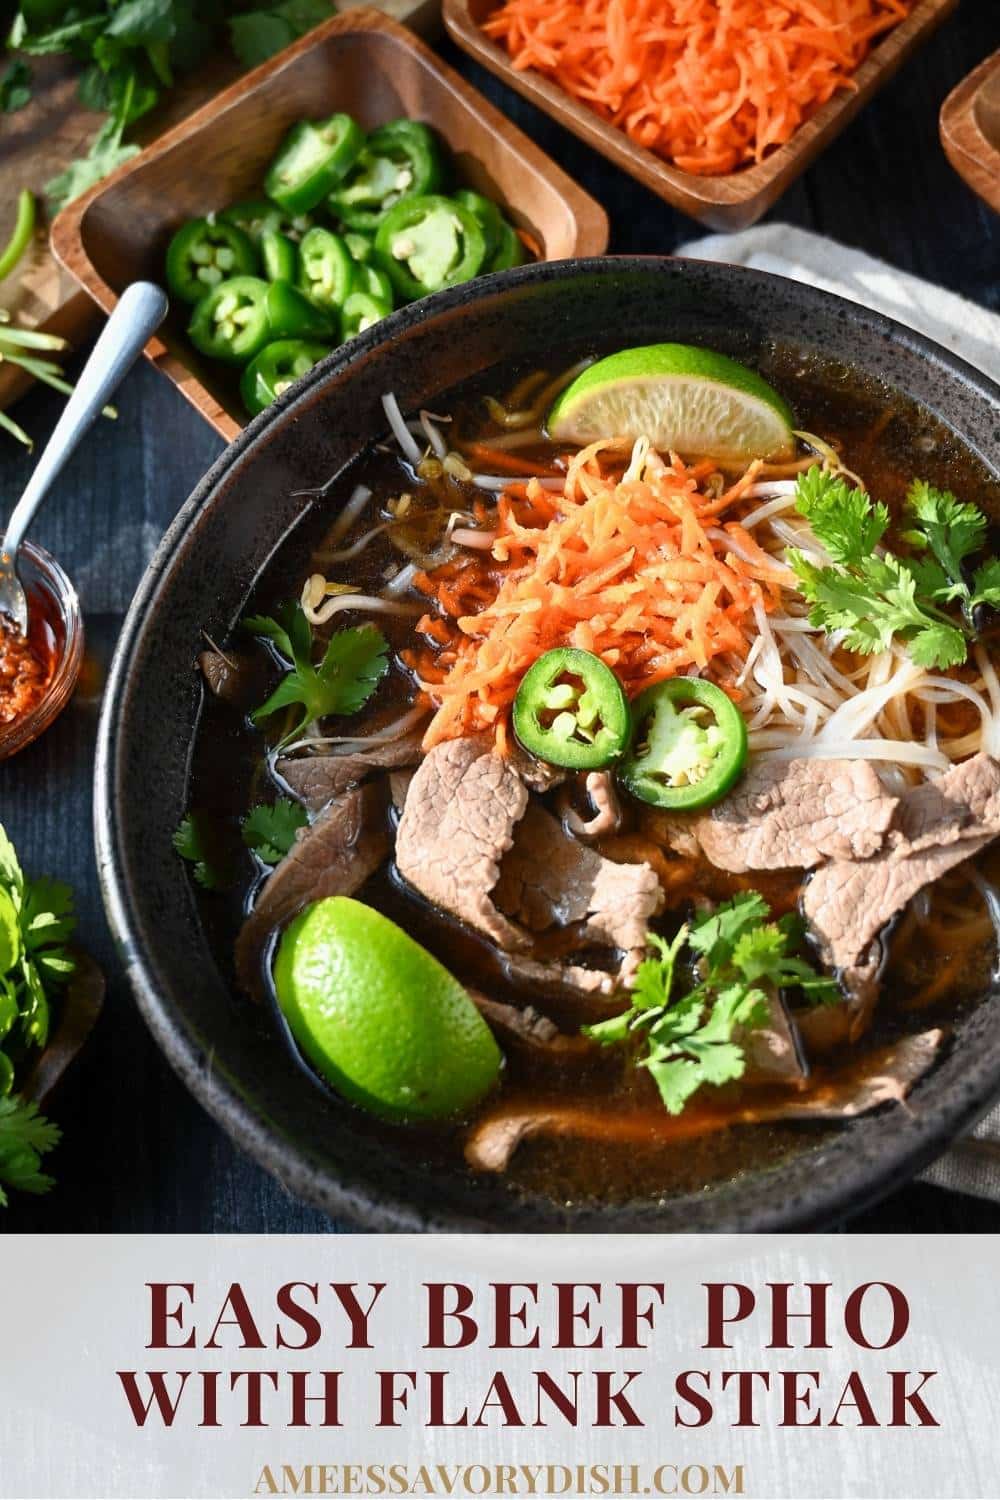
x=36 y=922
x=131 y=52
x=875 y=596
x=268 y=830
x=737 y=954
x=353 y=665
x=25 y=1137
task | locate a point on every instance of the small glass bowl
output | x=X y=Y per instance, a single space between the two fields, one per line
x=54 y=598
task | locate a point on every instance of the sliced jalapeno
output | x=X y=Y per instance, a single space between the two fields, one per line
x=376 y=283
x=361 y=311
x=275 y=368
x=279 y=256
x=510 y=250
x=327 y=272
x=311 y=160
x=424 y=244
x=231 y=322
x=361 y=246
x=490 y=218
x=204 y=253
x=571 y=710
x=689 y=745
x=255 y=216
x=291 y=315
x=400 y=160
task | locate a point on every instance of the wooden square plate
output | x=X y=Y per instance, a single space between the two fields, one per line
x=970 y=130
x=734 y=199
x=360 y=62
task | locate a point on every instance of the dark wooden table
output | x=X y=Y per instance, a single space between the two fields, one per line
x=139 y=1155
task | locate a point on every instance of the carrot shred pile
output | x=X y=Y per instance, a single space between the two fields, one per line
x=643 y=572
x=711 y=85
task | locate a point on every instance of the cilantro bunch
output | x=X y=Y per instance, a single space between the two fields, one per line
x=131 y=52
x=736 y=954
x=926 y=600
x=354 y=663
x=36 y=922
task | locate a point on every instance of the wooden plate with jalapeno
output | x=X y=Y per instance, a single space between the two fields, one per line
x=350 y=174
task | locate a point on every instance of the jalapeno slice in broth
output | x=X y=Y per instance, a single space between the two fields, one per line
x=571 y=710
x=688 y=748
x=204 y=253
x=311 y=160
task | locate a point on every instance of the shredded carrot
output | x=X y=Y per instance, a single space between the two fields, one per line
x=637 y=571
x=711 y=85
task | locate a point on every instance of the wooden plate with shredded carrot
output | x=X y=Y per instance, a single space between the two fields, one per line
x=716 y=105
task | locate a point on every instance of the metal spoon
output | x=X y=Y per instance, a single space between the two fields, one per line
x=140 y=311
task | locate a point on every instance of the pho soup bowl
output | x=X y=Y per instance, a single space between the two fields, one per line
x=260 y=495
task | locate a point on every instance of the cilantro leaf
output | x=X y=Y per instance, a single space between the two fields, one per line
x=259 y=34
x=986 y=585
x=716 y=935
x=15 y=87
x=954 y=531
x=193 y=842
x=843 y=518
x=354 y=663
x=105 y=155
x=696 y=1038
x=269 y=830
x=25 y=1137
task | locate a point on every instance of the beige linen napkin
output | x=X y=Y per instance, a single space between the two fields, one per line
x=972 y=1165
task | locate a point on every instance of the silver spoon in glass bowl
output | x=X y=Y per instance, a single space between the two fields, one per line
x=140 y=311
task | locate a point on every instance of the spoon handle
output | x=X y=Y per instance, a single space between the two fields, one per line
x=140 y=311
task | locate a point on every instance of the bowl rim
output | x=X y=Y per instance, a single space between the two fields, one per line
x=24 y=731
x=817 y=1204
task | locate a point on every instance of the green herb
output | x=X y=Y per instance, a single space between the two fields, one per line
x=36 y=922
x=693 y=1039
x=132 y=50
x=877 y=597
x=193 y=841
x=25 y=1137
x=354 y=663
x=106 y=153
x=269 y=830
x=15 y=87
x=260 y=34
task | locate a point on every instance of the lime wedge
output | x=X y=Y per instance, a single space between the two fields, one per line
x=691 y=401
x=379 y=1017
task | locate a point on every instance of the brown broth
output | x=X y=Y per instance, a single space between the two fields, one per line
x=886 y=439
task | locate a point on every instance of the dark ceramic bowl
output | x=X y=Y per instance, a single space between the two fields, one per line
x=199 y=579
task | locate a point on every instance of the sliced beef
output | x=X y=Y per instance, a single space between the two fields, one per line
x=936 y=826
x=317 y=779
x=333 y=857
x=458 y=822
x=786 y=815
x=524 y=1030
x=550 y=879
x=471 y=842
x=772 y=1049
x=883 y=1077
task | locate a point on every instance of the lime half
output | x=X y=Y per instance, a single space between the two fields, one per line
x=688 y=400
x=379 y=1017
